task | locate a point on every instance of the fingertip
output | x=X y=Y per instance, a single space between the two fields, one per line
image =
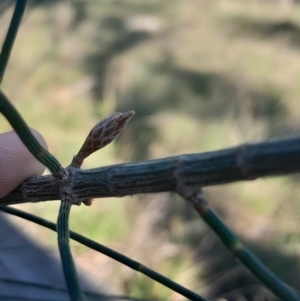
x=16 y=162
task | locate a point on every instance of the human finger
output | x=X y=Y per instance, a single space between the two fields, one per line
x=16 y=162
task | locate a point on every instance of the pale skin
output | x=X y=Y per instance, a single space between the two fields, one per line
x=16 y=162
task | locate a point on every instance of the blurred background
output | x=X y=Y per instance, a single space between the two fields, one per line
x=201 y=75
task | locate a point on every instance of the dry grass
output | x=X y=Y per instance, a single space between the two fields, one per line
x=209 y=79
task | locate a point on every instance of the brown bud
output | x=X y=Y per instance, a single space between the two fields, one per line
x=102 y=134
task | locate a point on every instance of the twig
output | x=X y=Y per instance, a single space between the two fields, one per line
x=246 y=162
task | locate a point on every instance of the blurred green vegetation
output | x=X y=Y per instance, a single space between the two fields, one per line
x=200 y=75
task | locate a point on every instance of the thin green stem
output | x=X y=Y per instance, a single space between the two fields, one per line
x=11 y=35
x=65 y=252
x=266 y=276
x=230 y=240
x=59 y=173
x=19 y=125
x=111 y=253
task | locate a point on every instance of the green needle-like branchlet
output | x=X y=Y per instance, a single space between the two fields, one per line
x=58 y=172
x=11 y=35
x=21 y=128
x=65 y=252
x=230 y=240
x=109 y=252
x=41 y=154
